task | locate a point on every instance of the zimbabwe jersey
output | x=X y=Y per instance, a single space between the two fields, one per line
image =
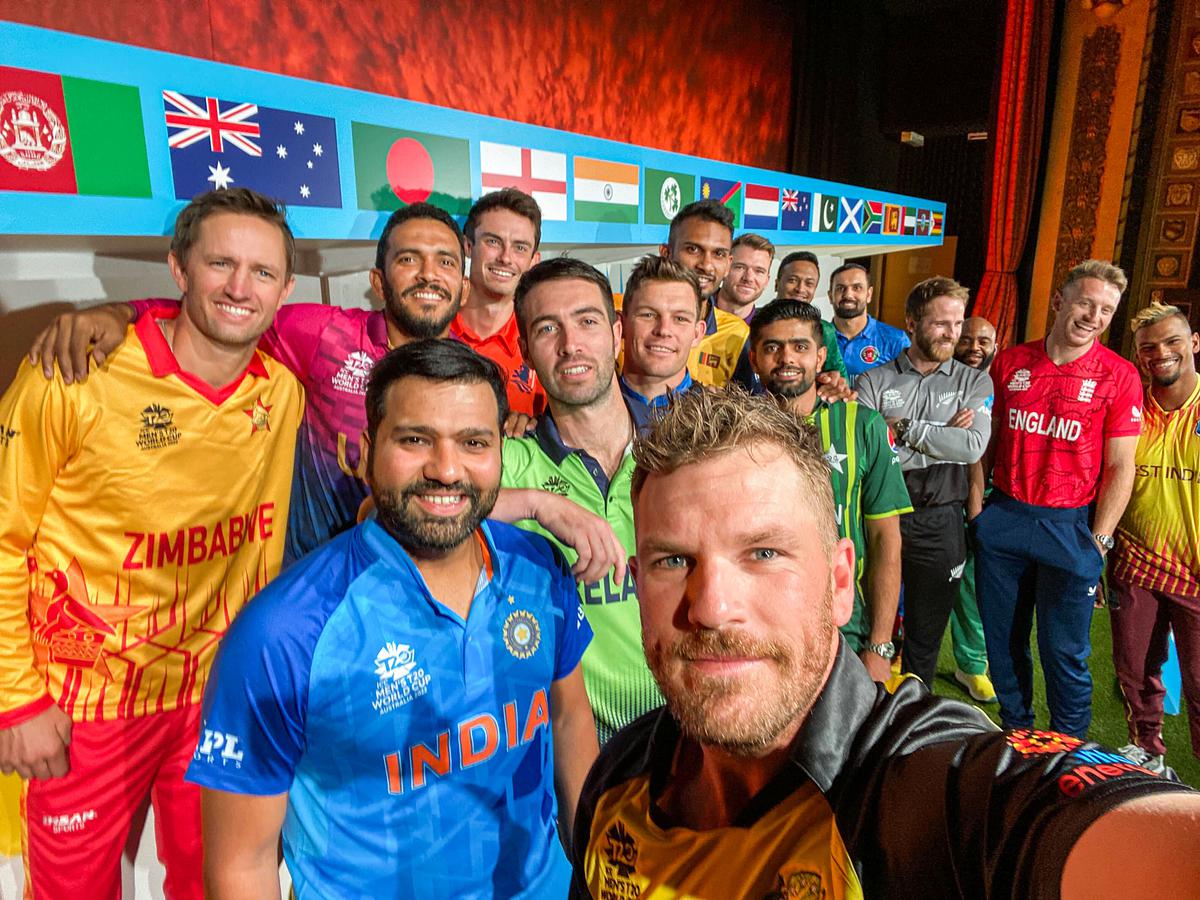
x=1158 y=540
x=712 y=362
x=897 y=794
x=1051 y=422
x=867 y=482
x=140 y=511
x=619 y=684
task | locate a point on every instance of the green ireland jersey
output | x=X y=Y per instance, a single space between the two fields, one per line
x=867 y=484
x=619 y=684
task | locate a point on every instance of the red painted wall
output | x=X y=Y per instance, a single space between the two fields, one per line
x=709 y=78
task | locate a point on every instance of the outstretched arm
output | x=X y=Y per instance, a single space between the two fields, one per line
x=241 y=841
x=590 y=536
x=74 y=336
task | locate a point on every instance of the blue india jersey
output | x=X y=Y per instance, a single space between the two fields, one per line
x=415 y=747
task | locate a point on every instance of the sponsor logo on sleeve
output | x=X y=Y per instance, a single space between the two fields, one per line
x=1096 y=766
x=219 y=746
x=1135 y=416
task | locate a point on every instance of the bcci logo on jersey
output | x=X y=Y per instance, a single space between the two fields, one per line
x=400 y=679
x=522 y=634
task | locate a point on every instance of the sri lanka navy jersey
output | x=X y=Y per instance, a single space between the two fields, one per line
x=1158 y=540
x=415 y=747
x=883 y=795
x=876 y=344
x=1051 y=422
x=868 y=483
x=141 y=510
x=525 y=392
x=713 y=361
x=619 y=684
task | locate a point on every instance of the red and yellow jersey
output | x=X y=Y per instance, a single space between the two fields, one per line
x=139 y=511
x=713 y=361
x=1158 y=539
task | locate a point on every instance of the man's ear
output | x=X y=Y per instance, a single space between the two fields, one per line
x=664 y=251
x=841 y=580
x=178 y=273
x=376 y=277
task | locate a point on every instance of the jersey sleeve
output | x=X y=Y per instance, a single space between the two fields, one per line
x=833 y=354
x=295 y=334
x=883 y=490
x=39 y=433
x=574 y=631
x=867 y=388
x=1124 y=417
x=252 y=722
x=958 y=445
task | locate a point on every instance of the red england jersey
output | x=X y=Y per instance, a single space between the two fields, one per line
x=1050 y=422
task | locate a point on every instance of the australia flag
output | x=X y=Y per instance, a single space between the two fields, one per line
x=216 y=143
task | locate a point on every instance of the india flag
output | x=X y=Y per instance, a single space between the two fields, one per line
x=539 y=173
x=606 y=191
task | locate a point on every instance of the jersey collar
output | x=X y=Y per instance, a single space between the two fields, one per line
x=551 y=442
x=904 y=364
x=508 y=336
x=163 y=362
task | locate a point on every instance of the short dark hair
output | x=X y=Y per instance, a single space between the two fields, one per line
x=242 y=201
x=514 y=201
x=417 y=211
x=800 y=256
x=846 y=267
x=754 y=242
x=709 y=210
x=661 y=268
x=561 y=268
x=780 y=310
x=437 y=359
x=926 y=291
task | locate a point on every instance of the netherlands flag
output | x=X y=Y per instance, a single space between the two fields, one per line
x=762 y=208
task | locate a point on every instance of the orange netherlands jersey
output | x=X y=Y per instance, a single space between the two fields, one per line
x=1159 y=535
x=138 y=513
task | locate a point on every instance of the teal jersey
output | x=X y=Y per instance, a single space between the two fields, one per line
x=619 y=684
x=867 y=481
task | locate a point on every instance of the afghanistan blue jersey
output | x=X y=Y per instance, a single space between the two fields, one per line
x=415 y=747
x=876 y=344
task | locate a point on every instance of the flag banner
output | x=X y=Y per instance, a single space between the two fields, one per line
x=606 y=191
x=825 y=210
x=893 y=219
x=762 y=208
x=935 y=227
x=539 y=173
x=68 y=135
x=666 y=194
x=394 y=167
x=727 y=193
x=873 y=217
x=910 y=220
x=850 y=216
x=218 y=143
x=924 y=222
x=796 y=209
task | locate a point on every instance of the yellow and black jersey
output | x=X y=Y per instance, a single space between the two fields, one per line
x=892 y=795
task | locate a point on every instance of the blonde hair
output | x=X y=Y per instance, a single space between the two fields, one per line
x=703 y=423
x=1097 y=268
x=1155 y=313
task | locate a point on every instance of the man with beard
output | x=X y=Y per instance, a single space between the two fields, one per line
x=406 y=703
x=863 y=340
x=1066 y=422
x=749 y=274
x=939 y=412
x=868 y=488
x=778 y=769
x=976 y=348
x=502 y=231
x=1156 y=564
x=798 y=277
x=660 y=324
x=570 y=333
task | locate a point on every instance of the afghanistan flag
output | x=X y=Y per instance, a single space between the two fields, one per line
x=727 y=193
x=394 y=167
x=65 y=135
x=666 y=194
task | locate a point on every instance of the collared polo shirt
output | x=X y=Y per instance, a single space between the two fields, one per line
x=877 y=343
x=525 y=392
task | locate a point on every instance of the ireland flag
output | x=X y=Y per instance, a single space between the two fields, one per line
x=394 y=167
x=65 y=135
x=666 y=194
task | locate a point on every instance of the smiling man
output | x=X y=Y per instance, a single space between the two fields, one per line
x=863 y=340
x=749 y=275
x=406 y=705
x=778 y=768
x=140 y=511
x=1064 y=433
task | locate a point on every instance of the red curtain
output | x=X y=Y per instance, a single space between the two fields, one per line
x=1016 y=140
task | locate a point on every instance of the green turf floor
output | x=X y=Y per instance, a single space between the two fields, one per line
x=1108 y=712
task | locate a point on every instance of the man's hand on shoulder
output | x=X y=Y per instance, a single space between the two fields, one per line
x=519 y=424
x=68 y=339
x=833 y=388
x=37 y=747
x=590 y=536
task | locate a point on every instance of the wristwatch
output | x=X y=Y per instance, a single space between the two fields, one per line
x=1105 y=540
x=901 y=429
x=886 y=650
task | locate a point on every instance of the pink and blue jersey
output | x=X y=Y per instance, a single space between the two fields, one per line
x=415 y=747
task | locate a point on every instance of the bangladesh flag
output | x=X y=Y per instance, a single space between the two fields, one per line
x=666 y=194
x=394 y=167
x=64 y=135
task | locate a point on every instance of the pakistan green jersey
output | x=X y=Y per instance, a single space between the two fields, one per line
x=619 y=684
x=867 y=484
